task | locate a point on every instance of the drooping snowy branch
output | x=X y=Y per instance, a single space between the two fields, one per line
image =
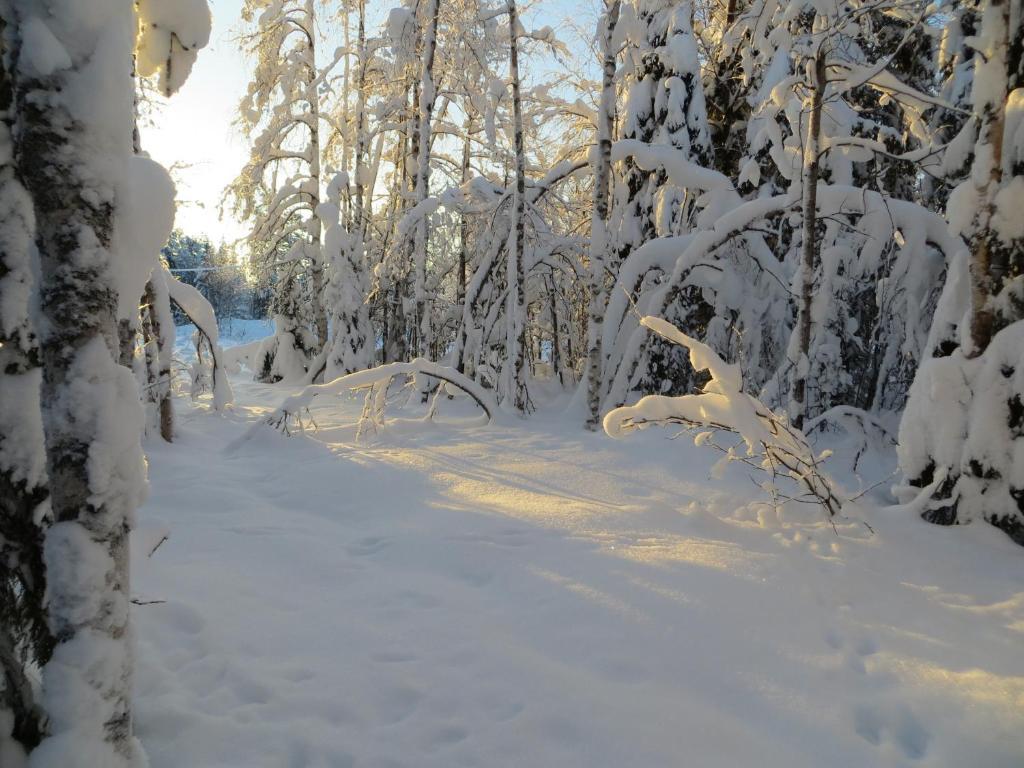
x=200 y=313
x=375 y=379
x=772 y=444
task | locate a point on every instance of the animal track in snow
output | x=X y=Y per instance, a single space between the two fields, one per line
x=877 y=723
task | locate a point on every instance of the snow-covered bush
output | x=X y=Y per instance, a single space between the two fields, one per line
x=961 y=442
x=772 y=444
x=959 y=438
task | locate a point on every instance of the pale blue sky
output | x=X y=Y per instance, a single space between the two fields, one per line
x=194 y=127
x=194 y=131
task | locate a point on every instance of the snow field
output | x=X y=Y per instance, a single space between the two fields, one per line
x=531 y=594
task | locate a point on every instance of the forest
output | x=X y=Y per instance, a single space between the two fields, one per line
x=601 y=383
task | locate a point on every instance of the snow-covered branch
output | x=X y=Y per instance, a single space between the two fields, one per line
x=772 y=444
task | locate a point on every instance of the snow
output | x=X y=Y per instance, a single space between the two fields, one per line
x=1007 y=221
x=144 y=222
x=532 y=594
x=20 y=416
x=87 y=602
x=975 y=443
x=199 y=310
x=400 y=582
x=401 y=31
x=233 y=332
x=171 y=34
x=42 y=52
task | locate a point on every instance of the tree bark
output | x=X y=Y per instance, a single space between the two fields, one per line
x=84 y=392
x=599 y=217
x=159 y=358
x=515 y=344
x=25 y=637
x=989 y=256
x=556 y=339
x=460 y=288
x=427 y=96
x=362 y=198
x=315 y=227
x=809 y=244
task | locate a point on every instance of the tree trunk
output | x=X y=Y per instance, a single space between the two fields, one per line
x=989 y=256
x=316 y=255
x=428 y=94
x=159 y=355
x=809 y=243
x=515 y=343
x=24 y=634
x=599 y=217
x=556 y=340
x=460 y=288
x=126 y=331
x=361 y=137
x=92 y=416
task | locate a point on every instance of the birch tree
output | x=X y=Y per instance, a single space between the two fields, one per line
x=515 y=344
x=25 y=637
x=599 y=216
x=92 y=418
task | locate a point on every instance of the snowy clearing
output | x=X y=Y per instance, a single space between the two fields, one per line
x=545 y=596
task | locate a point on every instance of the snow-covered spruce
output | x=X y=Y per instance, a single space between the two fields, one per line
x=351 y=347
x=968 y=460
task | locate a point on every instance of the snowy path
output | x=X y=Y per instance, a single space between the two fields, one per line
x=541 y=597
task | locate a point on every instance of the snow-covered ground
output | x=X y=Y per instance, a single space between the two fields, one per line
x=530 y=594
x=233 y=331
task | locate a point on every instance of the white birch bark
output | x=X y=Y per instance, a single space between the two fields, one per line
x=515 y=347
x=599 y=216
x=92 y=417
x=421 y=241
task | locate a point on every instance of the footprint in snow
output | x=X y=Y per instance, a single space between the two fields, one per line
x=474 y=576
x=368 y=546
x=505 y=538
x=876 y=723
x=911 y=735
x=448 y=735
x=500 y=711
x=854 y=654
x=300 y=755
x=392 y=657
x=247 y=689
x=409 y=598
x=395 y=704
x=867 y=646
x=298 y=674
x=180 y=617
x=833 y=638
x=869 y=724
